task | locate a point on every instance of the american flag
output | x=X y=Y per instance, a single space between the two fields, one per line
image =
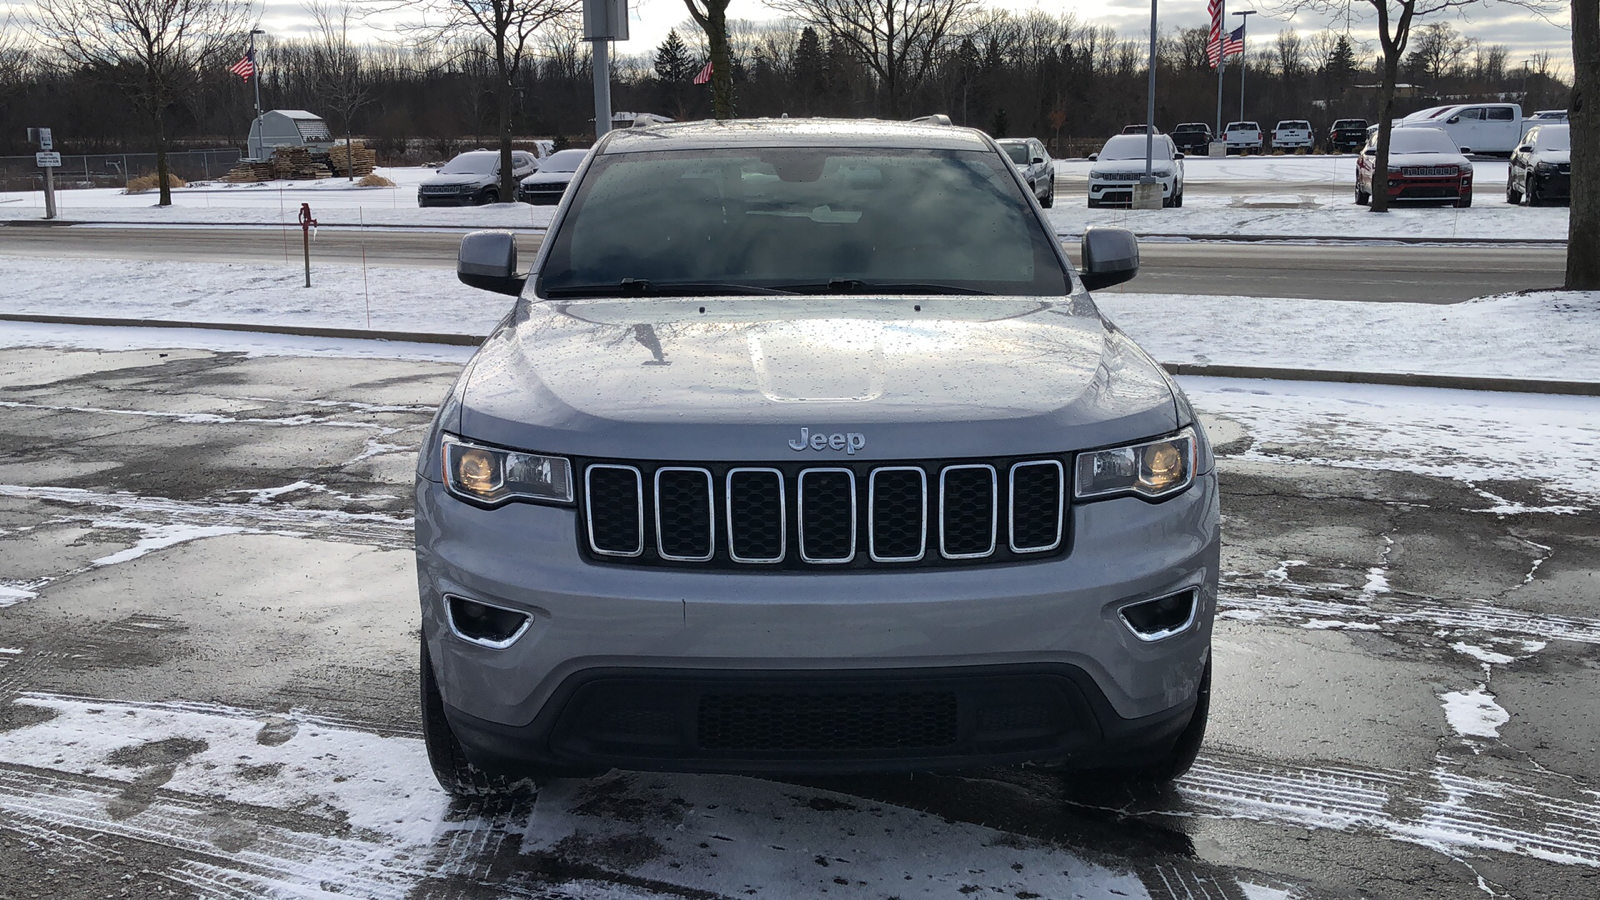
x=1214 y=40
x=1234 y=45
x=245 y=67
x=705 y=75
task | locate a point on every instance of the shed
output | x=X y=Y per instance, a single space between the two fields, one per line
x=287 y=127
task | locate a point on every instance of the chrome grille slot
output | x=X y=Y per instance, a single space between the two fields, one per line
x=615 y=510
x=757 y=516
x=968 y=508
x=897 y=514
x=827 y=515
x=1037 y=502
x=685 y=523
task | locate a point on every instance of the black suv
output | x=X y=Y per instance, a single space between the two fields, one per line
x=1192 y=138
x=1347 y=135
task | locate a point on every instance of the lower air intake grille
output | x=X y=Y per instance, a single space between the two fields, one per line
x=815 y=722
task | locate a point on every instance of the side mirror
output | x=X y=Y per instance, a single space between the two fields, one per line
x=1453 y=120
x=1037 y=160
x=1525 y=148
x=1110 y=256
x=1094 y=156
x=488 y=261
x=1177 y=156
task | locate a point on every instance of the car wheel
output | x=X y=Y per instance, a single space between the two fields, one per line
x=1513 y=196
x=1178 y=200
x=1092 y=204
x=459 y=777
x=489 y=196
x=1178 y=760
x=1533 y=193
x=1049 y=199
x=1465 y=200
x=1362 y=197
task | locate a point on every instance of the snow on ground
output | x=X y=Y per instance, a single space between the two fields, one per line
x=1548 y=334
x=1544 y=335
x=1479 y=438
x=1293 y=196
x=1474 y=713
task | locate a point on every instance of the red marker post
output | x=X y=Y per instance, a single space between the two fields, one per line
x=307 y=226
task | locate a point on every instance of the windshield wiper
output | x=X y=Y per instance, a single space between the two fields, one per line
x=638 y=287
x=857 y=286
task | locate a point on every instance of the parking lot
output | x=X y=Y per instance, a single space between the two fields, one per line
x=208 y=670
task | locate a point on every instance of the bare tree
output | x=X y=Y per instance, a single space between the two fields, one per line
x=1583 y=225
x=712 y=17
x=1394 y=20
x=501 y=31
x=899 y=40
x=16 y=60
x=151 y=49
x=341 y=80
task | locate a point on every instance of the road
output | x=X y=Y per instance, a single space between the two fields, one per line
x=1329 y=272
x=208 y=676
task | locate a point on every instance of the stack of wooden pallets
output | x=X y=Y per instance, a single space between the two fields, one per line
x=358 y=160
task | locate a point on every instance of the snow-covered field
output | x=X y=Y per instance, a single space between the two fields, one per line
x=1545 y=335
x=1292 y=196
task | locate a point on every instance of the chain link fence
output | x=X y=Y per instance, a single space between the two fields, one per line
x=21 y=173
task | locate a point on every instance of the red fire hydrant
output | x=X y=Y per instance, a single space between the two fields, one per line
x=308 y=226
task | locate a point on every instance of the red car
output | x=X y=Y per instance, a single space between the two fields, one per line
x=1424 y=164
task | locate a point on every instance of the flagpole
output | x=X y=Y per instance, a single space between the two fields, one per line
x=1222 y=61
x=260 y=139
x=1244 y=54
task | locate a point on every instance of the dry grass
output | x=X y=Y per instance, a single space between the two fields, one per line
x=373 y=179
x=151 y=182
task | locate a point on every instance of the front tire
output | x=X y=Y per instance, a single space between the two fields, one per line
x=1177 y=201
x=1533 y=193
x=1513 y=196
x=1050 y=198
x=1465 y=200
x=488 y=197
x=1176 y=762
x=459 y=778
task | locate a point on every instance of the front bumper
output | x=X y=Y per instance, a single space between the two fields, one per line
x=1049 y=630
x=1404 y=188
x=447 y=199
x=1553 y=185
x=1113 y=193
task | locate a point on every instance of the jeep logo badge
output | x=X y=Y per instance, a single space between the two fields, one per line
x=848 y=442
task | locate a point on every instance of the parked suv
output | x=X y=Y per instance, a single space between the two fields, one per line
x=546 y=186
x=1120 y=165
x=1541 y=167
x=1347 y=135
x=1292 y=135
x=1036 y=166
x=1424 y=164
x=472 y=178
x=804 y=448
x=1242 y=137
x=1193 y=138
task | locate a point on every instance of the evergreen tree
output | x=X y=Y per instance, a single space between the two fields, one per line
x=674 y=69
x=810 y=72
x=1341 y=70
x=1002 y=123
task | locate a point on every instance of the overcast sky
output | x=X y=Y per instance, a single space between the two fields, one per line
x=1492 y=22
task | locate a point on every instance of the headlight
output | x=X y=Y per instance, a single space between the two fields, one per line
x=1546 y=168
x=1151 y=469
x=490 y=475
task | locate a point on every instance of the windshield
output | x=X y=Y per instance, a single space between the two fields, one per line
x=1350 y=123
x=802 y=219
x=1554 y=137
x=1297 y=124
x=472 y=164
x=564 y=161
x=1188 y=127
x=1421 y=140
x=1243 y=126
x=1017 y=151
x=1131 y=146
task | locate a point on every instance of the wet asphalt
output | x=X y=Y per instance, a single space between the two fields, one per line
x=208 y=634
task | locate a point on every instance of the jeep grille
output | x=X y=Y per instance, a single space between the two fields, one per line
x=846 y=516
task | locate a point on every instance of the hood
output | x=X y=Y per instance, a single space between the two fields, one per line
x=738 y=378
x=1554 y=157
x=1428 y=159
x=1161 y=168
x=456 y=179
x=549 y=178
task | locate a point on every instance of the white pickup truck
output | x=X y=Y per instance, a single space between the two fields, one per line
x=1292 y=135
x=1475 y=127
x=1243 y=137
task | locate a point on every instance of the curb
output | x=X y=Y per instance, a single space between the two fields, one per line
x=1397 y=379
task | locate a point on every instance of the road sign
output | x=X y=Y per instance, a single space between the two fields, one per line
x=42 y=137
x=48 y=159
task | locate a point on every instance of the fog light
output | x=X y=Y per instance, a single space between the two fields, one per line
x=488 y=626
x=1152 y=620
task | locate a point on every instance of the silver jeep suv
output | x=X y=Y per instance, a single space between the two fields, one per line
x=804 y=448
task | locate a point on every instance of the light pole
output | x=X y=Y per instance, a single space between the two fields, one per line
x=1244 y=55
x=1150 y=106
